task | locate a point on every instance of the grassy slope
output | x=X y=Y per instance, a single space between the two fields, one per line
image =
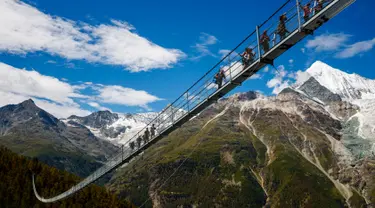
x=205 y=179
x=46 y=151
x=16 y=186
x=208 y=179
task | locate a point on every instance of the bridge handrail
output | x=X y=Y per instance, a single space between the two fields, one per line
x=167 y=117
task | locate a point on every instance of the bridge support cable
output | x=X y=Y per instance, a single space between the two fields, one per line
x=204 y=92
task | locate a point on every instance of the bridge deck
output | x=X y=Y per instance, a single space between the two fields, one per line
x=203 y=93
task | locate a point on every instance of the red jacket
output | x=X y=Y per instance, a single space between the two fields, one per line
x=306 y=11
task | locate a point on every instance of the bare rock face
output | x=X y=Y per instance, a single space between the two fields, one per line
x=283 y=151
x=314 y=89
x=343 y=109
x=310 y=146
x=101 y=122
x=97 y=119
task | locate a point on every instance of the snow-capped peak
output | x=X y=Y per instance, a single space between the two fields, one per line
x=348 y=86
x=119 y=128
x=353 y=88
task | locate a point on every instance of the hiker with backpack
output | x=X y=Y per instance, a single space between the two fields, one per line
x=152 y=131
x=306 y=11
x=318 y=6
x=139 y=141
x=247 y=57
x=146 y=136
x=219 y=76
x=265 y=42
x=281 y=28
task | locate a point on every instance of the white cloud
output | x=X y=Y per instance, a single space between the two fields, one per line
x=274 y=82
x=32 y=83
x=58 y=110
x=232 y=69
x=356 y=48
x=277 y=82
x=61 y=110
x=11 y=98
x=97 y=106
x=70 y=65
x=338 y=42
x=93 y=104
x=224 y=52
x=125 y=96
x=266 y=69
x=50 y=62
x=49 y=93
x=281 y=72
x=284 y=79
x=211 y=85
x=327 y=42
x=256 y=76
x=25 y=29
x=59 y=97
x=301 y=77
x=201 y=47
x=207 y=39
x=277 y=89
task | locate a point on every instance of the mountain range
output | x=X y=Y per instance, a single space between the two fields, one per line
x=28 y=130
x=312 y=145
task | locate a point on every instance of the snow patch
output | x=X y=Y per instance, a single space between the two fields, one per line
x=366 y=118
x=318 y=100
x=327 y=108
x=348 y=86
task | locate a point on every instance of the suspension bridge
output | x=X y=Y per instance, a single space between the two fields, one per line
x=204 y=92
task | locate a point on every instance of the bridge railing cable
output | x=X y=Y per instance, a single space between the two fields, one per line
x=204 y=87
x=196 y=94
x=231 y=64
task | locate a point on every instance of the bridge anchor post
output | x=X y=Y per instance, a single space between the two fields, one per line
x=299 y=16
x=258 y=42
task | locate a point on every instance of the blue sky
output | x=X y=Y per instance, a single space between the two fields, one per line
x=183 y=38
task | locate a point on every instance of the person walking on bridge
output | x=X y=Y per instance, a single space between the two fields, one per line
x=281 y=28
x=219 y=76
x=152 y=131
x=306 y=11
x=318 y=6
x=146 y=136
x=139 y=141
x=265 y=41
x=247 y=57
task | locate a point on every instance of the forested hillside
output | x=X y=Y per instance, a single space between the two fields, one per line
x=16 y=185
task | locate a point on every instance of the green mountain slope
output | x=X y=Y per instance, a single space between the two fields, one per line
x=31 y=131
x=16 y=186
x=272 y=152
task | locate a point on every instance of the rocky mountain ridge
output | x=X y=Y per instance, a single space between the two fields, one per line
x=348 y=86
x=312 y=145
x=301 y=148
x=31 y=131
